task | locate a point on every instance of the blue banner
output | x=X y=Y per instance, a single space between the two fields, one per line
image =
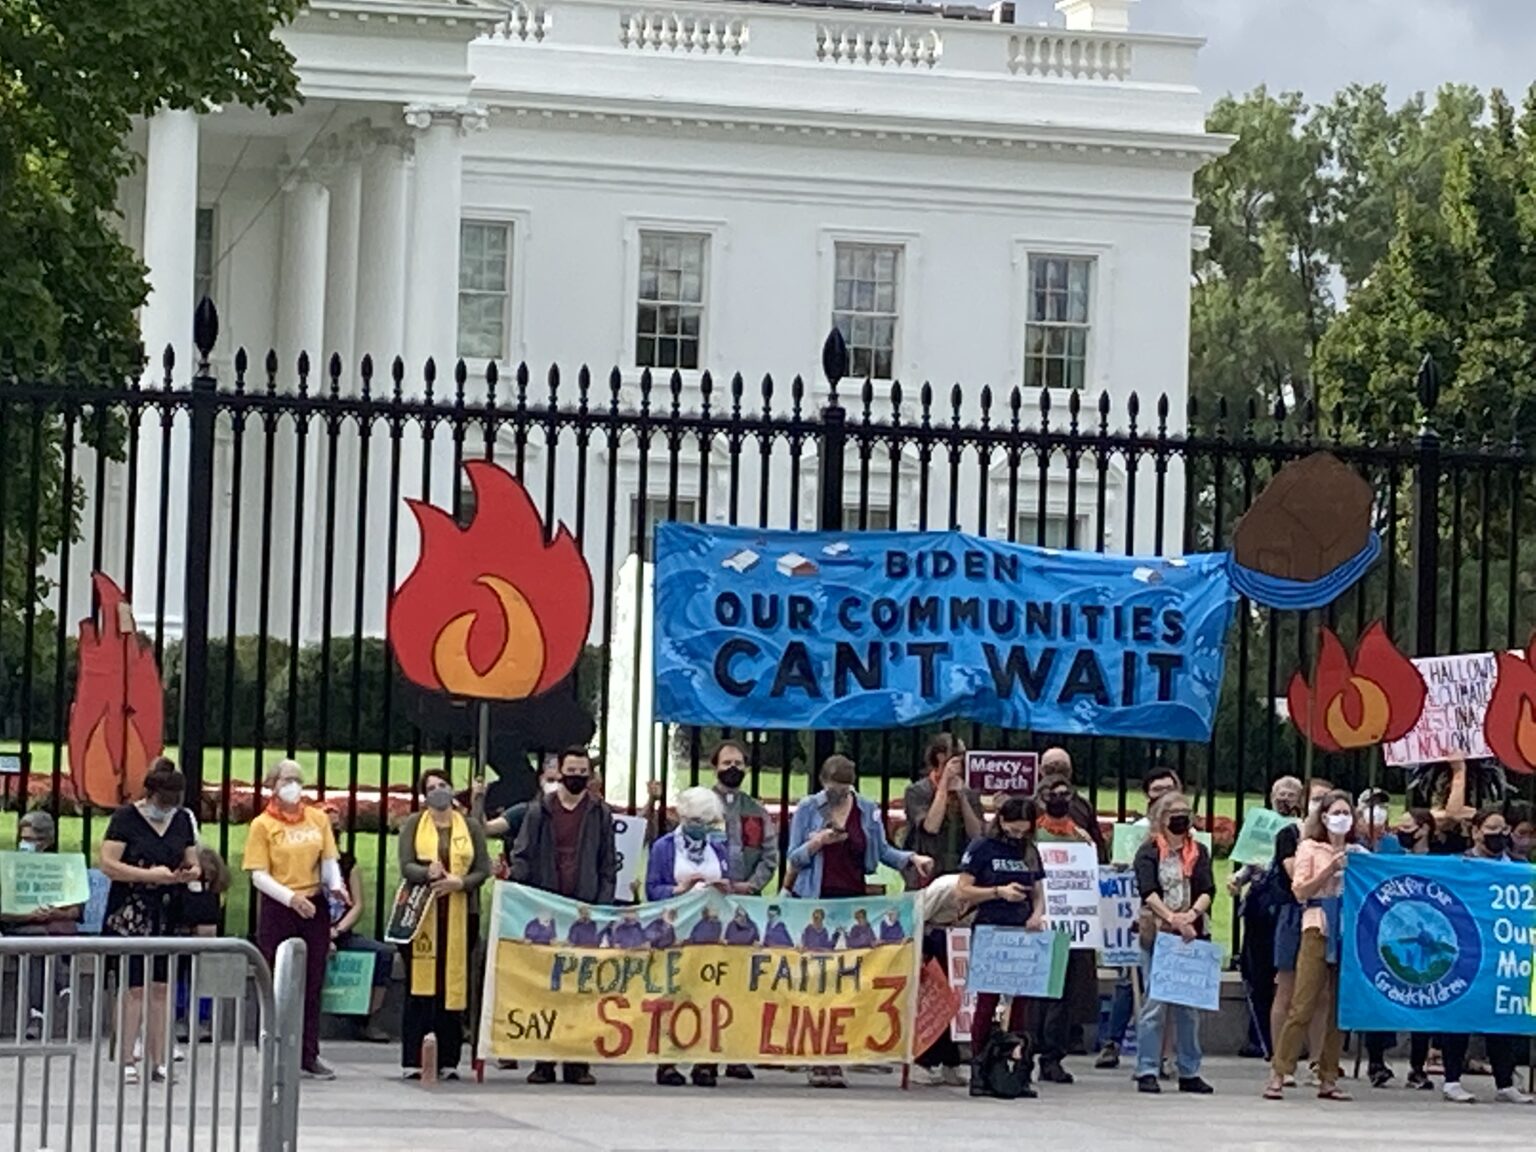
x=770 y=629
x=1436 y=944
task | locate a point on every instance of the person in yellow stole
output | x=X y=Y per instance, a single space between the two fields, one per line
x=442 y=847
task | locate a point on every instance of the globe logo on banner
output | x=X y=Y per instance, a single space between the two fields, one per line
x=1418 y=944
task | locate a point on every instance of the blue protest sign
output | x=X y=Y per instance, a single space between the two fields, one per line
x=1186 y=972
x=1015 y=962
x=1436 y=944
x=771 y=629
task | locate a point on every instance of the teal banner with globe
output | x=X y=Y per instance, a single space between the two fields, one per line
x=1437 y=944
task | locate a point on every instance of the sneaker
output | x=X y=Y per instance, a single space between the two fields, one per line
x=543 y=1073
x=670 y=1077
x=1380 y=1076
x=1456 y=1094
x=738 y=1072
x=131 y=1074
x=319 y=1070
x=410 y=1074
x=161 y=1075
x=1054 y=1073
x=447 y=1073
x=704 y=1077
x=1290 y=1082
x=35 y=1026
x=1513 y=1095
x=178 y=1055
x=373 y=1034
x=1109 y=1056
x=952 y=1078
x=1148 y=1084
x=933 y=1077
x=1421 y=1082
x=580 y=1076
x=506 y=1065
x=1195 y=1086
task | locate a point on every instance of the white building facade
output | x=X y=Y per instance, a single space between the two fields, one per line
x=697 y=186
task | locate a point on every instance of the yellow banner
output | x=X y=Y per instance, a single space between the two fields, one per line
x=690 y=980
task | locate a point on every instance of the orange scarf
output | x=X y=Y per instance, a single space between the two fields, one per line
x=1063 y=826
x=1189 y=853
x=277 y=812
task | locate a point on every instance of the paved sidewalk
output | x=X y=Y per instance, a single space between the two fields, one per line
x=369 y=1107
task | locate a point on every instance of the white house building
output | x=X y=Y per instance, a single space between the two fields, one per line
x=705 y=184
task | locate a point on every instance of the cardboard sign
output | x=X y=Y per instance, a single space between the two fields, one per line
x=1072 y=893
x=1452 y=721
x=938 y=1001
x=33 y=880
x=1119 y=905
x=1017 y=962
x=1256 y=842
x=348 y=986
x=410 y=909
x=1127 y=838
x=1011 y=773
x=958 y=946
x=1186 y=972
x=95 y=912
x=629 y=846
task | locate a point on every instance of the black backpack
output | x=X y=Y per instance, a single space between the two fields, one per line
x=1005 y=1063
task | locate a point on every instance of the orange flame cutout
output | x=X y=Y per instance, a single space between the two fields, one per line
x=1373 y=699
x=1509 y=725
x=116 y=722
x=491 y=611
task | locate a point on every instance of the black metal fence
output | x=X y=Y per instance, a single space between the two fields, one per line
x=275 y=498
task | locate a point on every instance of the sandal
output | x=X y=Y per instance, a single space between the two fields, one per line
x=1274 y=1091
x=1333 y=1092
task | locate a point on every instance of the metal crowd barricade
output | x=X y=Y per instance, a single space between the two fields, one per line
x=63 y=1070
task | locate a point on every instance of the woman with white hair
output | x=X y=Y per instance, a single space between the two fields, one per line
x=291 y=855
x=691 y=856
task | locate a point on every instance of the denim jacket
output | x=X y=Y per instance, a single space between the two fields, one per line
x=811 y=816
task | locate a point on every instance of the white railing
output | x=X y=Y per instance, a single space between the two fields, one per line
x=683 y=32
x=1069 y=56
x=524 y=21
x=882 y=45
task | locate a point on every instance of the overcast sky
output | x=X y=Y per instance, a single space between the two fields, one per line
x=1319 y=46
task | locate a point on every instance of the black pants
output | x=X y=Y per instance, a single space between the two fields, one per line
x=1501 y=1054
x=1057 y=1021
x=1377 y=1043
x=943 y=1052
x=1257 y=963
x=424 y=1014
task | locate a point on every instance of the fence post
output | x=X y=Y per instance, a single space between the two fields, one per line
x=198 y=547
x=284 y=1042
x=1426 y=514
x=829 y=487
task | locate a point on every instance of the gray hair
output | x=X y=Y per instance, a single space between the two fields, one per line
x=701 y=804
x=41 y=823
x=270 y=781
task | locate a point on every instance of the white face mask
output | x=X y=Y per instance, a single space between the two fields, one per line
x=1339 y=822
x=26 y=846
x=289 y=791
x=550 y=786
x=1378 y=817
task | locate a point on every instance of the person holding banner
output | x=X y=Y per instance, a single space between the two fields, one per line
x=445 y=849
x=1178 y=887
x=292 y=858
x=943 y=815
x=1002 y=876
x=836 y=842
x=1318 y=884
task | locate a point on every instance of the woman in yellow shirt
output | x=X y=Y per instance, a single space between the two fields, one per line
x=291 y=856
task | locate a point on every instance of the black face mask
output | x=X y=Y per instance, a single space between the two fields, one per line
x=574 y=784
x=1407 y=839
x=1495 y=843
x=1058 y=806
x=1178 y=823
x=731 y=777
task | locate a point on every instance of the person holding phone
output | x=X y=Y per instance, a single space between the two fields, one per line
x=149 y=854
x=943 y=815
x=1003 y=877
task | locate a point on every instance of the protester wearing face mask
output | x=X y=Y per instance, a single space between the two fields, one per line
x=690 y=857
x=1002 y=878
x=565 y=846
x=942 y=815
x=1056 y=1020
x=1373 y=821
x=1490 y=842
x=1318 y=882
x=1410 y=835
x=836 y=842
x=35 y=832
x=506 y=826
x=1288 y=922
x=445 y=849
x=292 y=858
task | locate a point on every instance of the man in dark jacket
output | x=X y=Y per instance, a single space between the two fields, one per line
x=565 y=846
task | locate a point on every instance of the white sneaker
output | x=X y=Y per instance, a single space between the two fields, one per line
x=131 y=1074
x=954 y=1079
x=179 y=1055
x=1456 y=1094
x=1513 y=1095
x=933 y=1077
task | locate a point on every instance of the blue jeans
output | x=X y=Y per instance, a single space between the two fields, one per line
x=1120 y=1008
x=1149 y=1031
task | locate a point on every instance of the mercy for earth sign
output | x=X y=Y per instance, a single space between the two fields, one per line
x=774 y=629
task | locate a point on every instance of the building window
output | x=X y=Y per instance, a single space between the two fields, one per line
x=203 y=255
x=683 y=509
x=864 y=297
x=874 y=519
x=1056 y=334
x=485 y=267
x=1055 y=531
x=670 y=303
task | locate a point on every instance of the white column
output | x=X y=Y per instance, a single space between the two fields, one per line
x=301 y=295
x=170 y=227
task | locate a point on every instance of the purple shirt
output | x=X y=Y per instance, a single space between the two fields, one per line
x=777 y=936
x=539 y=932
x=861 y=936
x=815 y=939
x=584 y=934
x=628 y=934
x=660 y=934
x=891 y=933
x=705 y=932
x=741 y=932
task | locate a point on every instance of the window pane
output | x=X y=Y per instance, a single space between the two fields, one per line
x=865 y=296
x=671 y=297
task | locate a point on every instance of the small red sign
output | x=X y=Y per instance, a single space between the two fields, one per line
x=1011 y=773
x=937 y=1003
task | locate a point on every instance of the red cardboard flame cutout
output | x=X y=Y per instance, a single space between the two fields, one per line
x=1509 y=725
x=117 y=720
x=1373 y=699
x=491 y=611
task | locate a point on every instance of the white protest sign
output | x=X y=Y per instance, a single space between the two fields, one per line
x=629 y=845
x=1452 y=721
x=958 y=947
x=1119 y=905
x=1072 y=892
